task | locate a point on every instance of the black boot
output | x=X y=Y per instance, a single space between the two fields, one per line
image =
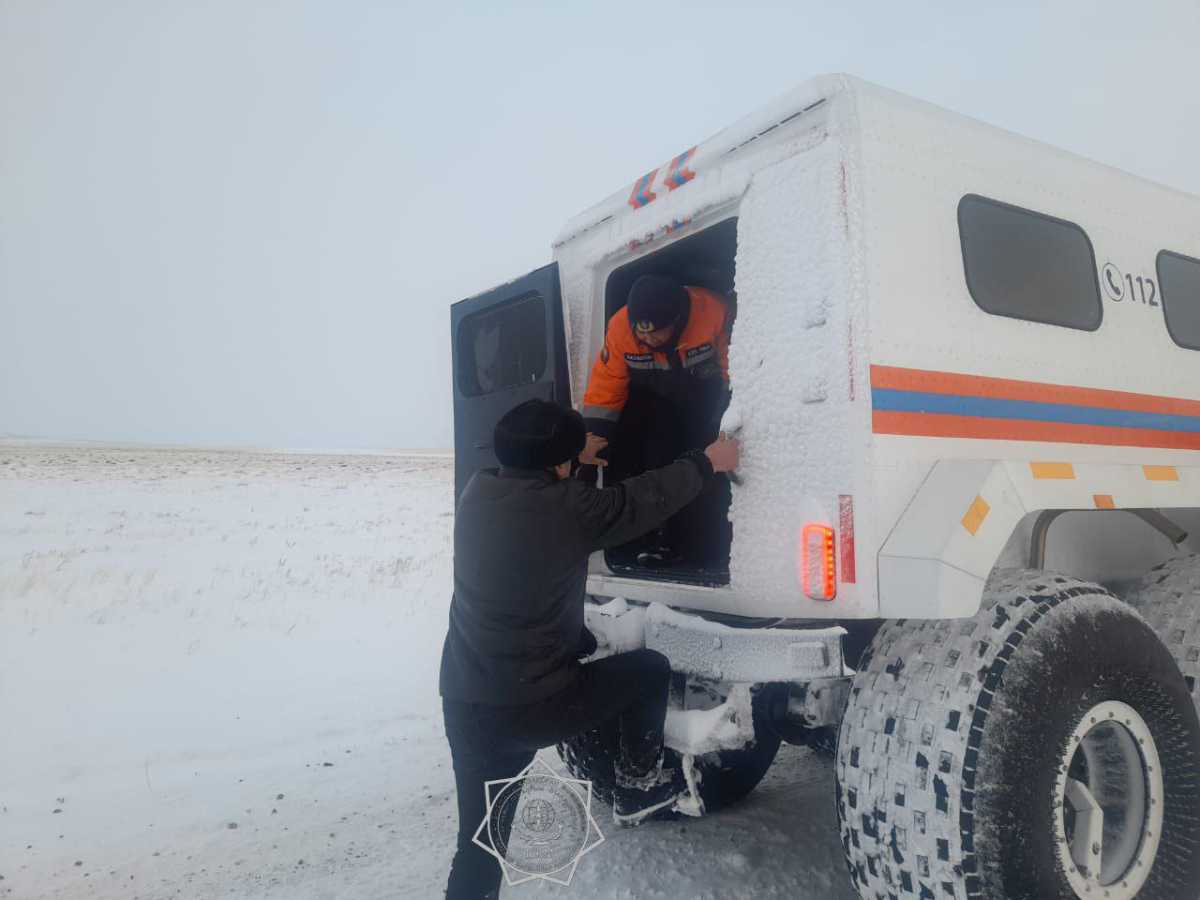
x=660 y=790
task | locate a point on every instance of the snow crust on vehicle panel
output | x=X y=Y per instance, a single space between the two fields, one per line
x=750 y=133
x=798 y=370
x=728 y=726
x=612 y=233
x=721 y=653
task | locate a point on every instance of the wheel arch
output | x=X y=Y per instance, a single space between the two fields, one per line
x=971 y=516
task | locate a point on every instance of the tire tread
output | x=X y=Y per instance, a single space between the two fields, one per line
x=907 y=754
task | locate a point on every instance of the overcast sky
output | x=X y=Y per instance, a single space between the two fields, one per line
x=243 y=222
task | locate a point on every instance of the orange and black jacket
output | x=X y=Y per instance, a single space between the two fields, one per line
x=680 y=372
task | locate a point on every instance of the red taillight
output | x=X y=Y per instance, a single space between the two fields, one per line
x=818 y=562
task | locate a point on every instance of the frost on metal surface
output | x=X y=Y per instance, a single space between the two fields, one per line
x=576 y=282
x=618 y=626
x=728 y=726
x=709 y=649
x=751 y=130
x=797 y=363
x=719 y=652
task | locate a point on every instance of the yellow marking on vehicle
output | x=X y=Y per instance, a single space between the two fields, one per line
x=1052 y=470
x=1104 y=501
x=1161 y=473
x=975 y=514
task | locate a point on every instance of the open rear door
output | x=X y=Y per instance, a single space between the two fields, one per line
x=508 y=346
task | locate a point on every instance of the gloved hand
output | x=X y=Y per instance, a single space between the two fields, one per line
x=587 y=644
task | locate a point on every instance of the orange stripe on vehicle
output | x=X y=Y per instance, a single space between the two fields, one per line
x=1052 y=470
x=975 y=514
x=1103 y=501
x=1161 y=473
x=923 y=424
x=895 y=378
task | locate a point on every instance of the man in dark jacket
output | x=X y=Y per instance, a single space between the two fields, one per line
x=511 y=681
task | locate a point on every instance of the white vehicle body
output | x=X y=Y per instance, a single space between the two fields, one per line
x=875 y=395
x=965 y=371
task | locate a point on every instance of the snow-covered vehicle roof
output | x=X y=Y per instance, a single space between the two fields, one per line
x=705 y=156
x=705 y=162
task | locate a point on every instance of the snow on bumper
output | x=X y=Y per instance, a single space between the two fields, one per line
x=719 y=652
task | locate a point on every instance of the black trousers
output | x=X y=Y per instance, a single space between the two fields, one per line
x=654 y=432
x=488 y=743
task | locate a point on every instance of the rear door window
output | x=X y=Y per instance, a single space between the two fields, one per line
x=502 y=347
x=1027 y=265
x=1179 y=280
x=509 y=346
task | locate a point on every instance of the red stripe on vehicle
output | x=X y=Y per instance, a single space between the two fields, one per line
x=939 y=425
x=921 y=380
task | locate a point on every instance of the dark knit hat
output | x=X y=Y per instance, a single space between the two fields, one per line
x=657 y=300
x=538 y=434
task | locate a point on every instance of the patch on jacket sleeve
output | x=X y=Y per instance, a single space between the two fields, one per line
x=697 y=355
x=604 y=354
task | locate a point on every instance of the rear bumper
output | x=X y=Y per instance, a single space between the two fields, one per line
x=721 y=599
x=710 y=650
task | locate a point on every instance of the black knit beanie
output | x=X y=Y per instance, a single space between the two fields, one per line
x=538 y=435
x=657 y=300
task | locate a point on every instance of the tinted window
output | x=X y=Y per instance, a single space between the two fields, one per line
x=1027 y=265
x=502 y=347
x=1179 y=279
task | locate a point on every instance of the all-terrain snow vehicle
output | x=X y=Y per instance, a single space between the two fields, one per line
x=965 y=368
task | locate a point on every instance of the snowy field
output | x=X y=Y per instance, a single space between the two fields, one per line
x=218 y=679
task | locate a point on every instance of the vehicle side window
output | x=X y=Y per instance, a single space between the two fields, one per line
x=1179 y=279
x=502 y=347
x=1027 y=265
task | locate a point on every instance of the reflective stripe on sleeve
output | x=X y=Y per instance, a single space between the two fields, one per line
x=601 y=412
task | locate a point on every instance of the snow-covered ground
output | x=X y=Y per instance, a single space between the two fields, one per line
x=218 y=680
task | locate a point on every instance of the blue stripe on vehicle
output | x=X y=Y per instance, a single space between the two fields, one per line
x=999 y=408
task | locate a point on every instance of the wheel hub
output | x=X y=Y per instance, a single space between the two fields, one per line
x=1109 y=803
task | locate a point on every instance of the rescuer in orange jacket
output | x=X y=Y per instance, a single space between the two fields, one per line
x=658 y=389
x=669 y=340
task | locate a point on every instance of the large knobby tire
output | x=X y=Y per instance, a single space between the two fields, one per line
x=1168 y=597
x=726 y=776
x=962 y=738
